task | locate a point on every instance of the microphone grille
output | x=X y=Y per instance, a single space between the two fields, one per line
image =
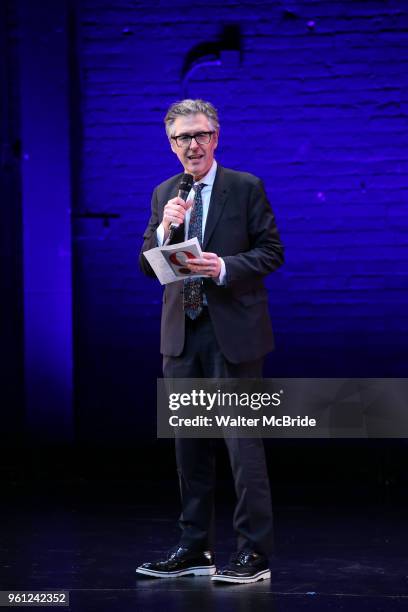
x=186 y=182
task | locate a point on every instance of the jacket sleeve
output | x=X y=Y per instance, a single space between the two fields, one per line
x=265 y=254
x=149 y=236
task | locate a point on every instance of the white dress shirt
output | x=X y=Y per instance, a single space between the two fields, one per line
x=208 y=179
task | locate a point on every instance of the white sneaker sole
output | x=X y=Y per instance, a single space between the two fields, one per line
x=207 y=570
x=264 y=575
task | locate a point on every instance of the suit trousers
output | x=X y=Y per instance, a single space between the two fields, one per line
x=253 y=524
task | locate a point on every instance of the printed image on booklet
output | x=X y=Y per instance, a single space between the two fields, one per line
x=168 y=262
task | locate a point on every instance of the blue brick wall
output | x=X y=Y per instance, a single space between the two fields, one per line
x=317 y=107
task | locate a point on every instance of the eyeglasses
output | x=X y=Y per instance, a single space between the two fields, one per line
x=185 y=139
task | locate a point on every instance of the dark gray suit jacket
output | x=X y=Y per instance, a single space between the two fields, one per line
x=241 y=229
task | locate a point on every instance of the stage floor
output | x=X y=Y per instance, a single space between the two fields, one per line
x=327 y=558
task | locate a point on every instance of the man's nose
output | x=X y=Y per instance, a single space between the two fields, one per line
x=194 y=144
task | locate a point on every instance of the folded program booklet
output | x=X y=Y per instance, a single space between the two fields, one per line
x=168 y=262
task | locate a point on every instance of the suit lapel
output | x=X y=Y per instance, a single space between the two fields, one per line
x=173 y=191
x=217 y=202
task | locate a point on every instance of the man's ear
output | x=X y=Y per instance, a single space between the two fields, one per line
x=216 y=138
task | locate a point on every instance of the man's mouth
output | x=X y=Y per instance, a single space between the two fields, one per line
x=195 y=156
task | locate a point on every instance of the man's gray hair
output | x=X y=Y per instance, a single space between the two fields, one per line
x=191 y=107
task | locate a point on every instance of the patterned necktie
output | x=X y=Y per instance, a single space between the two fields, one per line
x=193 y=288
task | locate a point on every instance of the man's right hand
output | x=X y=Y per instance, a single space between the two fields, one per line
x=174 y=212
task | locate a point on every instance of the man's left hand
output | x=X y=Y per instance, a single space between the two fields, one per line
x=208 y=265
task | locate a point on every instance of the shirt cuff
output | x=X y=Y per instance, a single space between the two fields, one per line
x=160 y=235
x=221 y=280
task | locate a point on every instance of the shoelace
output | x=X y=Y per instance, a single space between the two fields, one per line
x=173 y=551
x=241 y=557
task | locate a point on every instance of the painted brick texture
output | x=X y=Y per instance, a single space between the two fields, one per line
x=317 y=107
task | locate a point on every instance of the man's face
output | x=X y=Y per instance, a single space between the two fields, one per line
x=196 y=159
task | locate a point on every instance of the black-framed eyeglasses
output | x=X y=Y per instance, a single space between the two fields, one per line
x=184 y=140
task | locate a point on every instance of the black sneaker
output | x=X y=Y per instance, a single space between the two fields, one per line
x=245 y=566
x=180 y=562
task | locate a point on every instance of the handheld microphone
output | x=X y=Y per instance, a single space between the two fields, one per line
x=184 y=189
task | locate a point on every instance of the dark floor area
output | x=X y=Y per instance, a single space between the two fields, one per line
x=89 y=539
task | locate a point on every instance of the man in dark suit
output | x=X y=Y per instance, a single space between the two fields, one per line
x=216 y=327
